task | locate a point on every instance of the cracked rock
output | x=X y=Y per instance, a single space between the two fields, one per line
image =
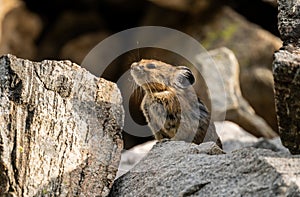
x=176 y=168
x=60 y=129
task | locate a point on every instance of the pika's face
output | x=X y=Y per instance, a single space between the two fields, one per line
x=155 y=72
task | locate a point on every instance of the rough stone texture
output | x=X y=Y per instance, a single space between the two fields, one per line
x=227 y=28
x=287 y=95
x=20 y=29
x=233 y=138
x=182 y=169
x=131 y=157
x=60 y=129
x=286 y=71
x=237 y=109
x=289 y=21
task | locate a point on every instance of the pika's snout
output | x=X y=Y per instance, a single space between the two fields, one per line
x=136 y=66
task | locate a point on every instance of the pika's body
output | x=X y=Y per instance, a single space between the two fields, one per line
x=170 y=105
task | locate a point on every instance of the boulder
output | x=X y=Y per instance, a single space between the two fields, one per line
x=233 y=138
x=260 y=93
x=60 y=129
x=226 y=97
x=176 y=168
x=227 y=28
x=286 y=71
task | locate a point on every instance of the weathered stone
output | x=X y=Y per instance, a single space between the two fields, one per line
x=286 y=71
x=236 y=108
x=289 y=21
x=60 y=129
x=175 y=168
x=131 y=157
x=287 y=94
x=233 y=138
x=20 y=29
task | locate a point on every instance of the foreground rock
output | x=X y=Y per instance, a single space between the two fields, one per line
x=60 y=129
x=233 y=138
x=183 y=169
x=286 y=71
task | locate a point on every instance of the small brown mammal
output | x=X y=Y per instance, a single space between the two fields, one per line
x=170 y=105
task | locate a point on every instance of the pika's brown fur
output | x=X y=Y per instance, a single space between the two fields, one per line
x=170 y=105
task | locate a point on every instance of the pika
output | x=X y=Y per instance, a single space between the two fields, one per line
x=170 y=105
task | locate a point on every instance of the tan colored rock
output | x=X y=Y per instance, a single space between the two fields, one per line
x=60 y=129
x=232 y=106
x=20 y=29
x=253 y=47
x=5 y=7
x=259 y=93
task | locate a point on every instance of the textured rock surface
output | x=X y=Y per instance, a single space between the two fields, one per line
x=232 y=136
x=183 y=169
x=60 y=129
x=286 y=71
x=237 y=109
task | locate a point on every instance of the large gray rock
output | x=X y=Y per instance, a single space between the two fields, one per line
x=174 y=168
x=60 y=129
x=286 y=71
x=233 y=138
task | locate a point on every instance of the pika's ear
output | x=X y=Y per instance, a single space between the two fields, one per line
x=184 y=77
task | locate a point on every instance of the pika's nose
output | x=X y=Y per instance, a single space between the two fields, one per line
x=134 y=64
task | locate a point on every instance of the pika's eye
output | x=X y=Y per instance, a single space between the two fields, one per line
x=151 y=66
